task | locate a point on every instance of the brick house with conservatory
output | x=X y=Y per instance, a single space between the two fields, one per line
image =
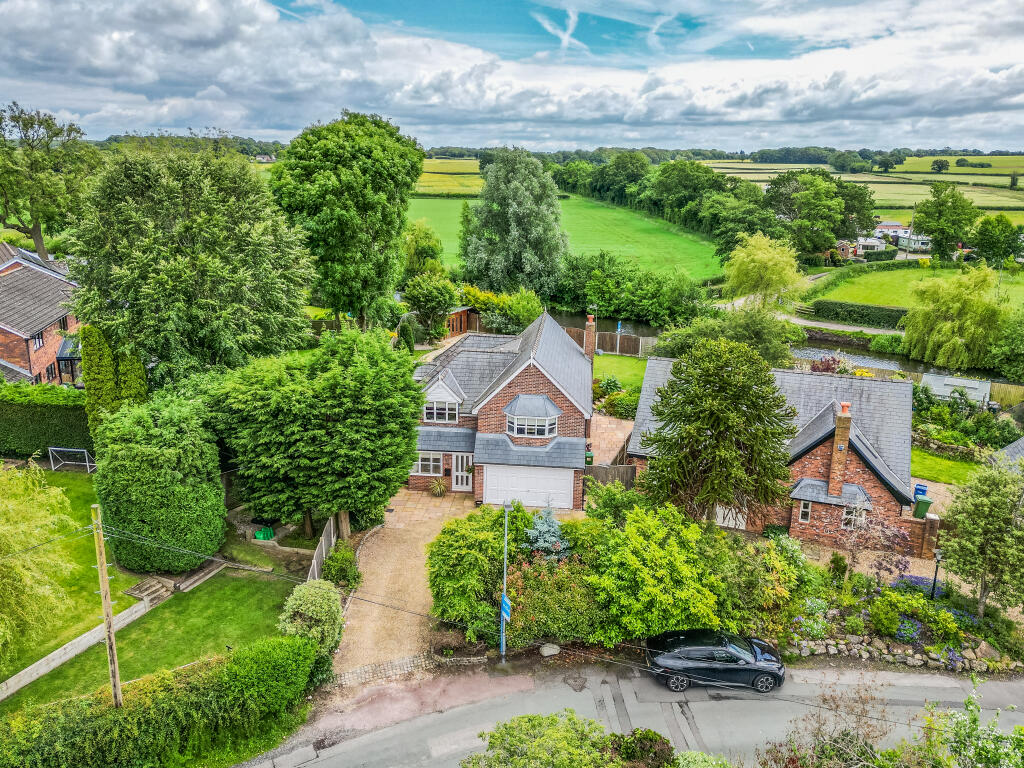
x=848 y=462
x=507 y=418
x=34 y=321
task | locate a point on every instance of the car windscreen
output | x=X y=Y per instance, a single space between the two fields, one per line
x=740 y=647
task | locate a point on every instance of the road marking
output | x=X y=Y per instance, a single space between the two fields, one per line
x=458 y=741
x=692 y=722
x=625 y=724
x=675 y=733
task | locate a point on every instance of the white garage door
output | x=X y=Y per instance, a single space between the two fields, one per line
x=533 y=486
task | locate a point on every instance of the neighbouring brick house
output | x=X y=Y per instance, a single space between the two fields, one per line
x=849 y=461
x=507 y=418
x=33 y=319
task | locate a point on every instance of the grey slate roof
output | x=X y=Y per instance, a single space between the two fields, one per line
x=70 y=348
x=12 y=373
x=977 y=390
x=655 y=376
x=537 y=406
x=881 y=410
x=30 y=299
x=445 y=439
x=496 y=448
x=482 y=363
x=810 y=489
x=10 y=254
x=1012 y=452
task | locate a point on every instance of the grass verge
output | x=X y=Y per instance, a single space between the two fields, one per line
x=939 y=469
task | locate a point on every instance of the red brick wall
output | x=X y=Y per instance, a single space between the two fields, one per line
x=14 y=349
x=422 y=482
x=21 y=351
x=577 y=489
x=465 y=420
x=530 y=381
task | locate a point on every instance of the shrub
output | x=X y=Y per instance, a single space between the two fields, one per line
x=922 y=584
x=908 y=631
x=859 y=314
x=553 y=601
x=313 y=611
x=158 y=477
x=643 y=748
x=775 y=531
x=406 y=336
x=837 y=567
x=464 y=567
x=885 y=617
x=889 y=344
x=545 y=536
x=860 y=584
x=340 y=566
x=811 y=627
x=701 y=760
x=622 y=404
x=168 y=718
x=854 y=625
x=607 y=385
x=34 y=417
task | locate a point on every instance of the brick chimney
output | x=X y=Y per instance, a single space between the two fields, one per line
x=840 y=450
x=590 y=338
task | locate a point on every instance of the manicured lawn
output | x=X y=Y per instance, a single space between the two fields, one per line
x=592 y=226
x=82 y=611
x=893 y=288
x=939 y=469
x=232 y=608
x=628 y=370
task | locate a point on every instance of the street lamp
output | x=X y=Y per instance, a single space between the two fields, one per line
x=935 y=578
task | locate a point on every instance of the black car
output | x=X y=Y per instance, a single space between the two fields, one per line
x=710 y=657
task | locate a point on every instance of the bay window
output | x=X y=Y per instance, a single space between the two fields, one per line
x=528 y=426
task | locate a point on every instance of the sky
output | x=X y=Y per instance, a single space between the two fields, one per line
x=544 y=74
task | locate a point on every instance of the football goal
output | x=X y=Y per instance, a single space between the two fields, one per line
x=77 y=457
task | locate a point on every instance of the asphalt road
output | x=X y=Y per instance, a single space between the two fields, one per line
x=438 y=722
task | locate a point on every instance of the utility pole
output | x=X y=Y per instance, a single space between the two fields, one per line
x=108 y=611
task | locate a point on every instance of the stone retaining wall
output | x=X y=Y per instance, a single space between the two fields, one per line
x=69 y=650
x=931 y=445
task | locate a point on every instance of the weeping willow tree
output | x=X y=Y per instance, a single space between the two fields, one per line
x=955 y=321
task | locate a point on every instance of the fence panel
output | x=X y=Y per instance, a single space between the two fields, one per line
x=629 y=345
x=647 y=345
x=609 y=473
x=606 y=342
x=327 y=539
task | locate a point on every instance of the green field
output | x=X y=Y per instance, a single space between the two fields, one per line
x=930 y=178
x=82 y=610
x=911 y=194
x=445 y=165
x=1004 y=164
x=647 y=241
x=893 y=289
x=232 y=608
x=903 y=215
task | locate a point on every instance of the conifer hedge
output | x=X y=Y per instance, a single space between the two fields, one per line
x=34 y=417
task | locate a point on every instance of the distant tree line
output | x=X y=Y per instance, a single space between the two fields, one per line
x=598 y=156
x=811 y=208
x=194 y=142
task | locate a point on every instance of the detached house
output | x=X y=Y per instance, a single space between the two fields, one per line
x=508 y=417
x=849 y=461
x=33 y=319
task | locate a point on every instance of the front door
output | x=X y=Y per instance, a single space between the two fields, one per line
x=462 y=478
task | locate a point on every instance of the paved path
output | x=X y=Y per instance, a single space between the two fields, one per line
x=608 y=436
x=840 y=326
x=437 y=722
x=393 y=562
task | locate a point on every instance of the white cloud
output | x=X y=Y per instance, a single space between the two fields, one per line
x=877 y=73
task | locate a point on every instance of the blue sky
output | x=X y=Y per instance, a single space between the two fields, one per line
x=732 y=74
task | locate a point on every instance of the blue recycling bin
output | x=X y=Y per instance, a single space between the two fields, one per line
x=920 y=489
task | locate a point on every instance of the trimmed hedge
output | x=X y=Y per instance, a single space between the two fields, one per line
x=34 y=417
x=887 y=255
x=858 y=314
x=167 y=716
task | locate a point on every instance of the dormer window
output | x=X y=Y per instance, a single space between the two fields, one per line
x=441 y=411
x=529 y=426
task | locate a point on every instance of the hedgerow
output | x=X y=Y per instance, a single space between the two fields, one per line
x=34 y=417
x=858 y=314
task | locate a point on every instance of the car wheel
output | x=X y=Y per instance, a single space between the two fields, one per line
x=677 y=683
x=765 y=683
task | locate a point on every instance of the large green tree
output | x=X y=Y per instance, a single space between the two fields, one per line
x=517 y=238
x=44 y=167
x=1007 y=353
x=985 y=546
x=997 y=239
x=423 y=249
x=955 y=321
x=768 y=335
x=186 y=264
x=158 y=480
x=763 y=269
x=946 y=216
x=347 y=185
x=331 y=432
x=819 y=213
x=722 y=432
x=30 y=598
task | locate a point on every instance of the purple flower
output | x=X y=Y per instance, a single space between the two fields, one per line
x=922 y=584
x=909 y=630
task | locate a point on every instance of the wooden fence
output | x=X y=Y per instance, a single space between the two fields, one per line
x=323 y=548
x=610 y=473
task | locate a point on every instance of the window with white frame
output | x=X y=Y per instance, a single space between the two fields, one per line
x=529 y=426
x=37 y=340
x=805 y=511
x=438 y=410
x=853 y=517
x=428 y=463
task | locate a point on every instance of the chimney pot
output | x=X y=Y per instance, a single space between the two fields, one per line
x=846 y=408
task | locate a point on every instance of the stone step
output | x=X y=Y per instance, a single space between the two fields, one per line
x=198 y=576
x=151 y=589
